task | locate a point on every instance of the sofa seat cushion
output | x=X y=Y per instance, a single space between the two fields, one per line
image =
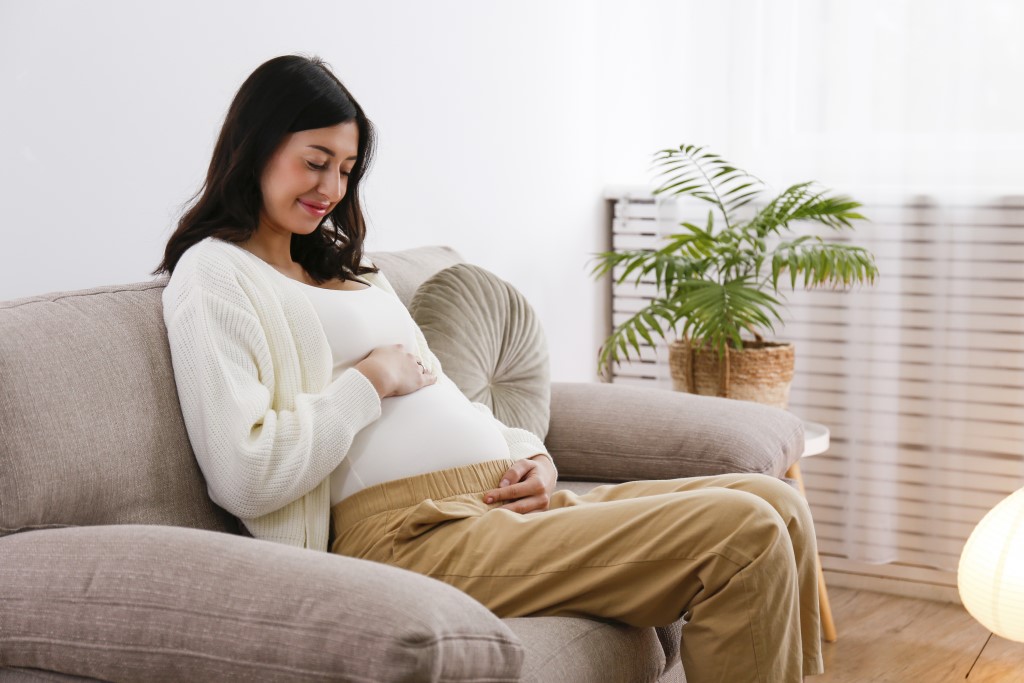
x=150 y=603
x=490 y=343
x=574 y=650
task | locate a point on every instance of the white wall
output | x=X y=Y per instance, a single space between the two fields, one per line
x=485 y=112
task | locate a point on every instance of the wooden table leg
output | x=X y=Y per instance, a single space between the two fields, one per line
x=828 y=627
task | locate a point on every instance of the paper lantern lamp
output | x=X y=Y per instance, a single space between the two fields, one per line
x=991 y=573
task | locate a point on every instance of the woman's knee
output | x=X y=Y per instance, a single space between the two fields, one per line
x=750 y=529
x=745 y=518
x=786 y=500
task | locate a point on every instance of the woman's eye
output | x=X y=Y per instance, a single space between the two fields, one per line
x=315 y=167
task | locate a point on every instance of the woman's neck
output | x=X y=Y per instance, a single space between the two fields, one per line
x=275 y=250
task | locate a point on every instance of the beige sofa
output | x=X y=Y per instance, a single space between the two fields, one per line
x=115 y=565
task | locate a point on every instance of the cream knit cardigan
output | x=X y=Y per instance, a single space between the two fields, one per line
x=253 y=370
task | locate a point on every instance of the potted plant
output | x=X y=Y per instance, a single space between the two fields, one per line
x=717 y=285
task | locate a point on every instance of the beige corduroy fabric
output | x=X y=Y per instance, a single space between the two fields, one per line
x=490 y=341
x=90 y=428
x=151 y=603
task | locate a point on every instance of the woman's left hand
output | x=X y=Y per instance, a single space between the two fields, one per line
x=529 y=483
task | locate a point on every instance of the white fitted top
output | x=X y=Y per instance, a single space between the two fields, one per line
x=433 y=428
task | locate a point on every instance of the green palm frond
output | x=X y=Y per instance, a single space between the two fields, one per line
x=692 y=260
x=805 y=202
x=822 y=263
x=656 y=317
x=717 y=313
x=693 y=171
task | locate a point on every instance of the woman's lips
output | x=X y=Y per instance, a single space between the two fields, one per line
x=315 y=209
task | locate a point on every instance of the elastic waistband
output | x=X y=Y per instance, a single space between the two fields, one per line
x=403 y=493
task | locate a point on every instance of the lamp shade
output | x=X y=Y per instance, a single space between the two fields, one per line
x=991 y=573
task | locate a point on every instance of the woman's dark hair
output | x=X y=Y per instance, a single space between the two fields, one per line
x=283 y=95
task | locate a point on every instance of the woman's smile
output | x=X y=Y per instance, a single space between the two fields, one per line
x=314 y=208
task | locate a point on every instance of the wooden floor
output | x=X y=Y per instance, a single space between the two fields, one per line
x=889 y=639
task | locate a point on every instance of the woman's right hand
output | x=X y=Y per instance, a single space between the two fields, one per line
x=393 y=371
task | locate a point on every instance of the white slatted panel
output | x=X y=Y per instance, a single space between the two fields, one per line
x=920 y=379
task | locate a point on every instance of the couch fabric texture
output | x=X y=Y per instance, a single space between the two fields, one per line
x=228 y=608
x=91 y=424
x=115 y=565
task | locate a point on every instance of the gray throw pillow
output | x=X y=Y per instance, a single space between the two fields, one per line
x=490 y=343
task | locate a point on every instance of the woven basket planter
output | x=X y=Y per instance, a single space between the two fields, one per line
x=762 y=372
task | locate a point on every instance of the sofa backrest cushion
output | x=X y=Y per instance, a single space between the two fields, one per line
x=90 y=425
x=406 y=270
x=490 y=343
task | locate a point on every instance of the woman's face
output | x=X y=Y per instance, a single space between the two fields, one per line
x=306 y=177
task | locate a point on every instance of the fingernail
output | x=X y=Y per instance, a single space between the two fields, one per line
x=504 y=482
x=488 y=500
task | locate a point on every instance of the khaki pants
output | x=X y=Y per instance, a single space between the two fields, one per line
x=735 y=554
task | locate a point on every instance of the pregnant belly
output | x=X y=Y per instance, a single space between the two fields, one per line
x=432 y=429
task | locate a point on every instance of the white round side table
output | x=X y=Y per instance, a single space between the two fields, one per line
x=816 y=441
x=816 y=437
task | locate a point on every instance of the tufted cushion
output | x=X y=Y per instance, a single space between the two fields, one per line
x=489 y=342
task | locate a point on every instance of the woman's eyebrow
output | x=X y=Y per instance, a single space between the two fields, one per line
x=330 y=151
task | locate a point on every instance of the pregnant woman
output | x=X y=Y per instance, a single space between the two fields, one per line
x=321 y=419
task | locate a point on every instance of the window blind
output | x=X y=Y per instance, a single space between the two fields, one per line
x=920 y=379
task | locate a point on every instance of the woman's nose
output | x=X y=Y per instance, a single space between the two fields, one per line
x=333 y=187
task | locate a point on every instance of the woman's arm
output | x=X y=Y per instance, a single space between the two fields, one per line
x=256 y=455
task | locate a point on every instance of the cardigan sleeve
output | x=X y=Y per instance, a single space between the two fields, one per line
x=521 y=442
x=257 y=456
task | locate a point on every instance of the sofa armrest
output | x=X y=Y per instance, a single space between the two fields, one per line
x=614 y=433
x=140 y=602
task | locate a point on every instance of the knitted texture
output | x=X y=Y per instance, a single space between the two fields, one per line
x=253 y=371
